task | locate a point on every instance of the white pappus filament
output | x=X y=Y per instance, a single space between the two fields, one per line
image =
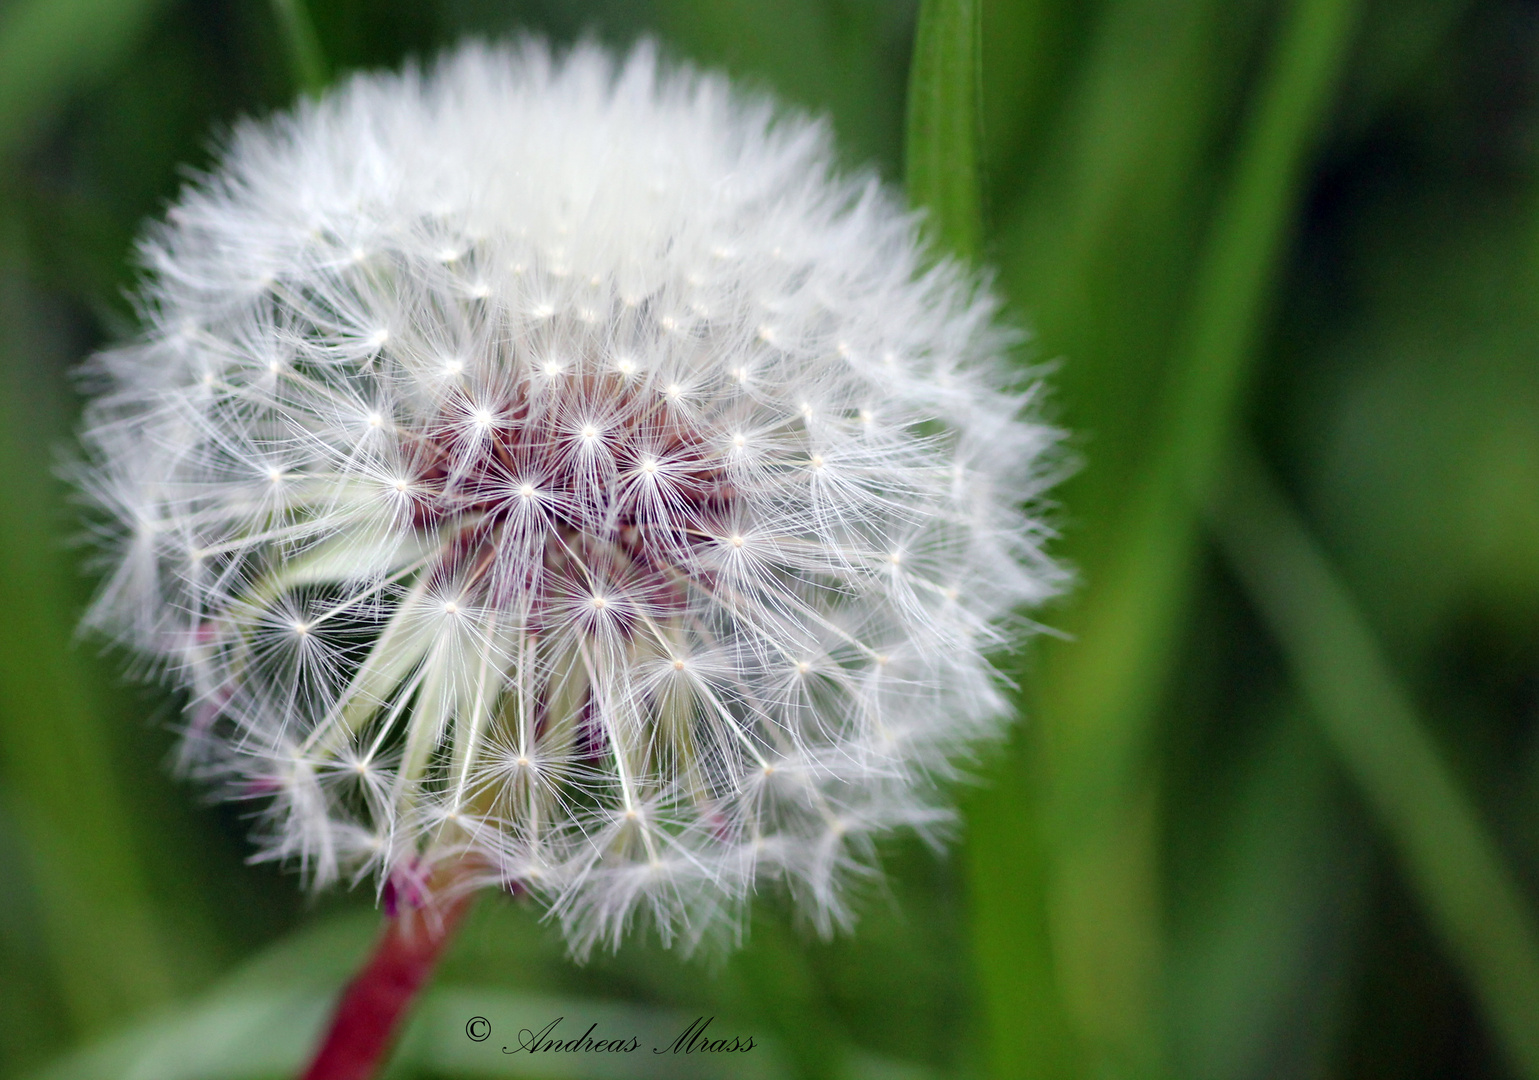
x=552 y=464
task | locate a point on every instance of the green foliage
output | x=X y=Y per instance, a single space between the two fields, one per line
x=1271 y=814
x=941 y=161
x=1369 y=719
x=309 y=63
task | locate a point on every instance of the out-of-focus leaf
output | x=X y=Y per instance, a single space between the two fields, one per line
x=1370 y=720
x=1095 y=254
x=48 y=47
x=304 y=48
x=232 y=1037
x=1398 y=37
x=941 y=158
x=104 y=938
x=1030 y=52
x=1417 y=413
x=1097 y=697
x=1262 y=952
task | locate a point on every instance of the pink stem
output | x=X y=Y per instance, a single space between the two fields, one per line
x=374 y=1003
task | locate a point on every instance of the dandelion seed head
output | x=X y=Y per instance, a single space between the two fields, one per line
x=621 y=596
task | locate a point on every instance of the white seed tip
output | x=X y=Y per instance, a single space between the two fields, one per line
x=672 y=279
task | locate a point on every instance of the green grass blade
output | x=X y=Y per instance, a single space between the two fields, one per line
x=1097 y=698
x=943 y=177
x=1451 y=861
x=1114 y=673
x=1250 y=232
x=104 y=936
x=941 y=156
x=1069 y=969
x=1272 y=894
x=306 y=59
x=1031 y=50
x=47 y=47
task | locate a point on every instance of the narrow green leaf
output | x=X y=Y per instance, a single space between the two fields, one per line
x=1031 y=51
x=943 y=100
x=1070 y=969
x=1113 y=675
x=1097 y=698
x=306 y=59
x=1264 y=926
x=105 y=938
x=1451 y=861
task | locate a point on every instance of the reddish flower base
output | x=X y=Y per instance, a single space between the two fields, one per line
x=373 y=1005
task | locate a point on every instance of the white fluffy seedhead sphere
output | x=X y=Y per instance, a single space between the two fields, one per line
x=550 y=466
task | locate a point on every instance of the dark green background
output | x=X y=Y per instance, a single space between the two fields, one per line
x=1275 y=809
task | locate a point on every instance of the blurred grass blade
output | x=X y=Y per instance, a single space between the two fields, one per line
x=1249 y=234
x=1264 y=928
x=104 y=936
x=1115 y=673
x=1099 y=697
x=1098 y=249
x=943 y=99
x=304 y=47
x=1452 y=863
x=1029 y=53
x=47 y=47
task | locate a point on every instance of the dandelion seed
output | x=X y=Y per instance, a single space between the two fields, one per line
x=522 y=616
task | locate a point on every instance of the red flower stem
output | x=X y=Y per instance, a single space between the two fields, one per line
x=374 y=1003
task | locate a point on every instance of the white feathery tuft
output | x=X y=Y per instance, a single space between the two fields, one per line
x=553 y=465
